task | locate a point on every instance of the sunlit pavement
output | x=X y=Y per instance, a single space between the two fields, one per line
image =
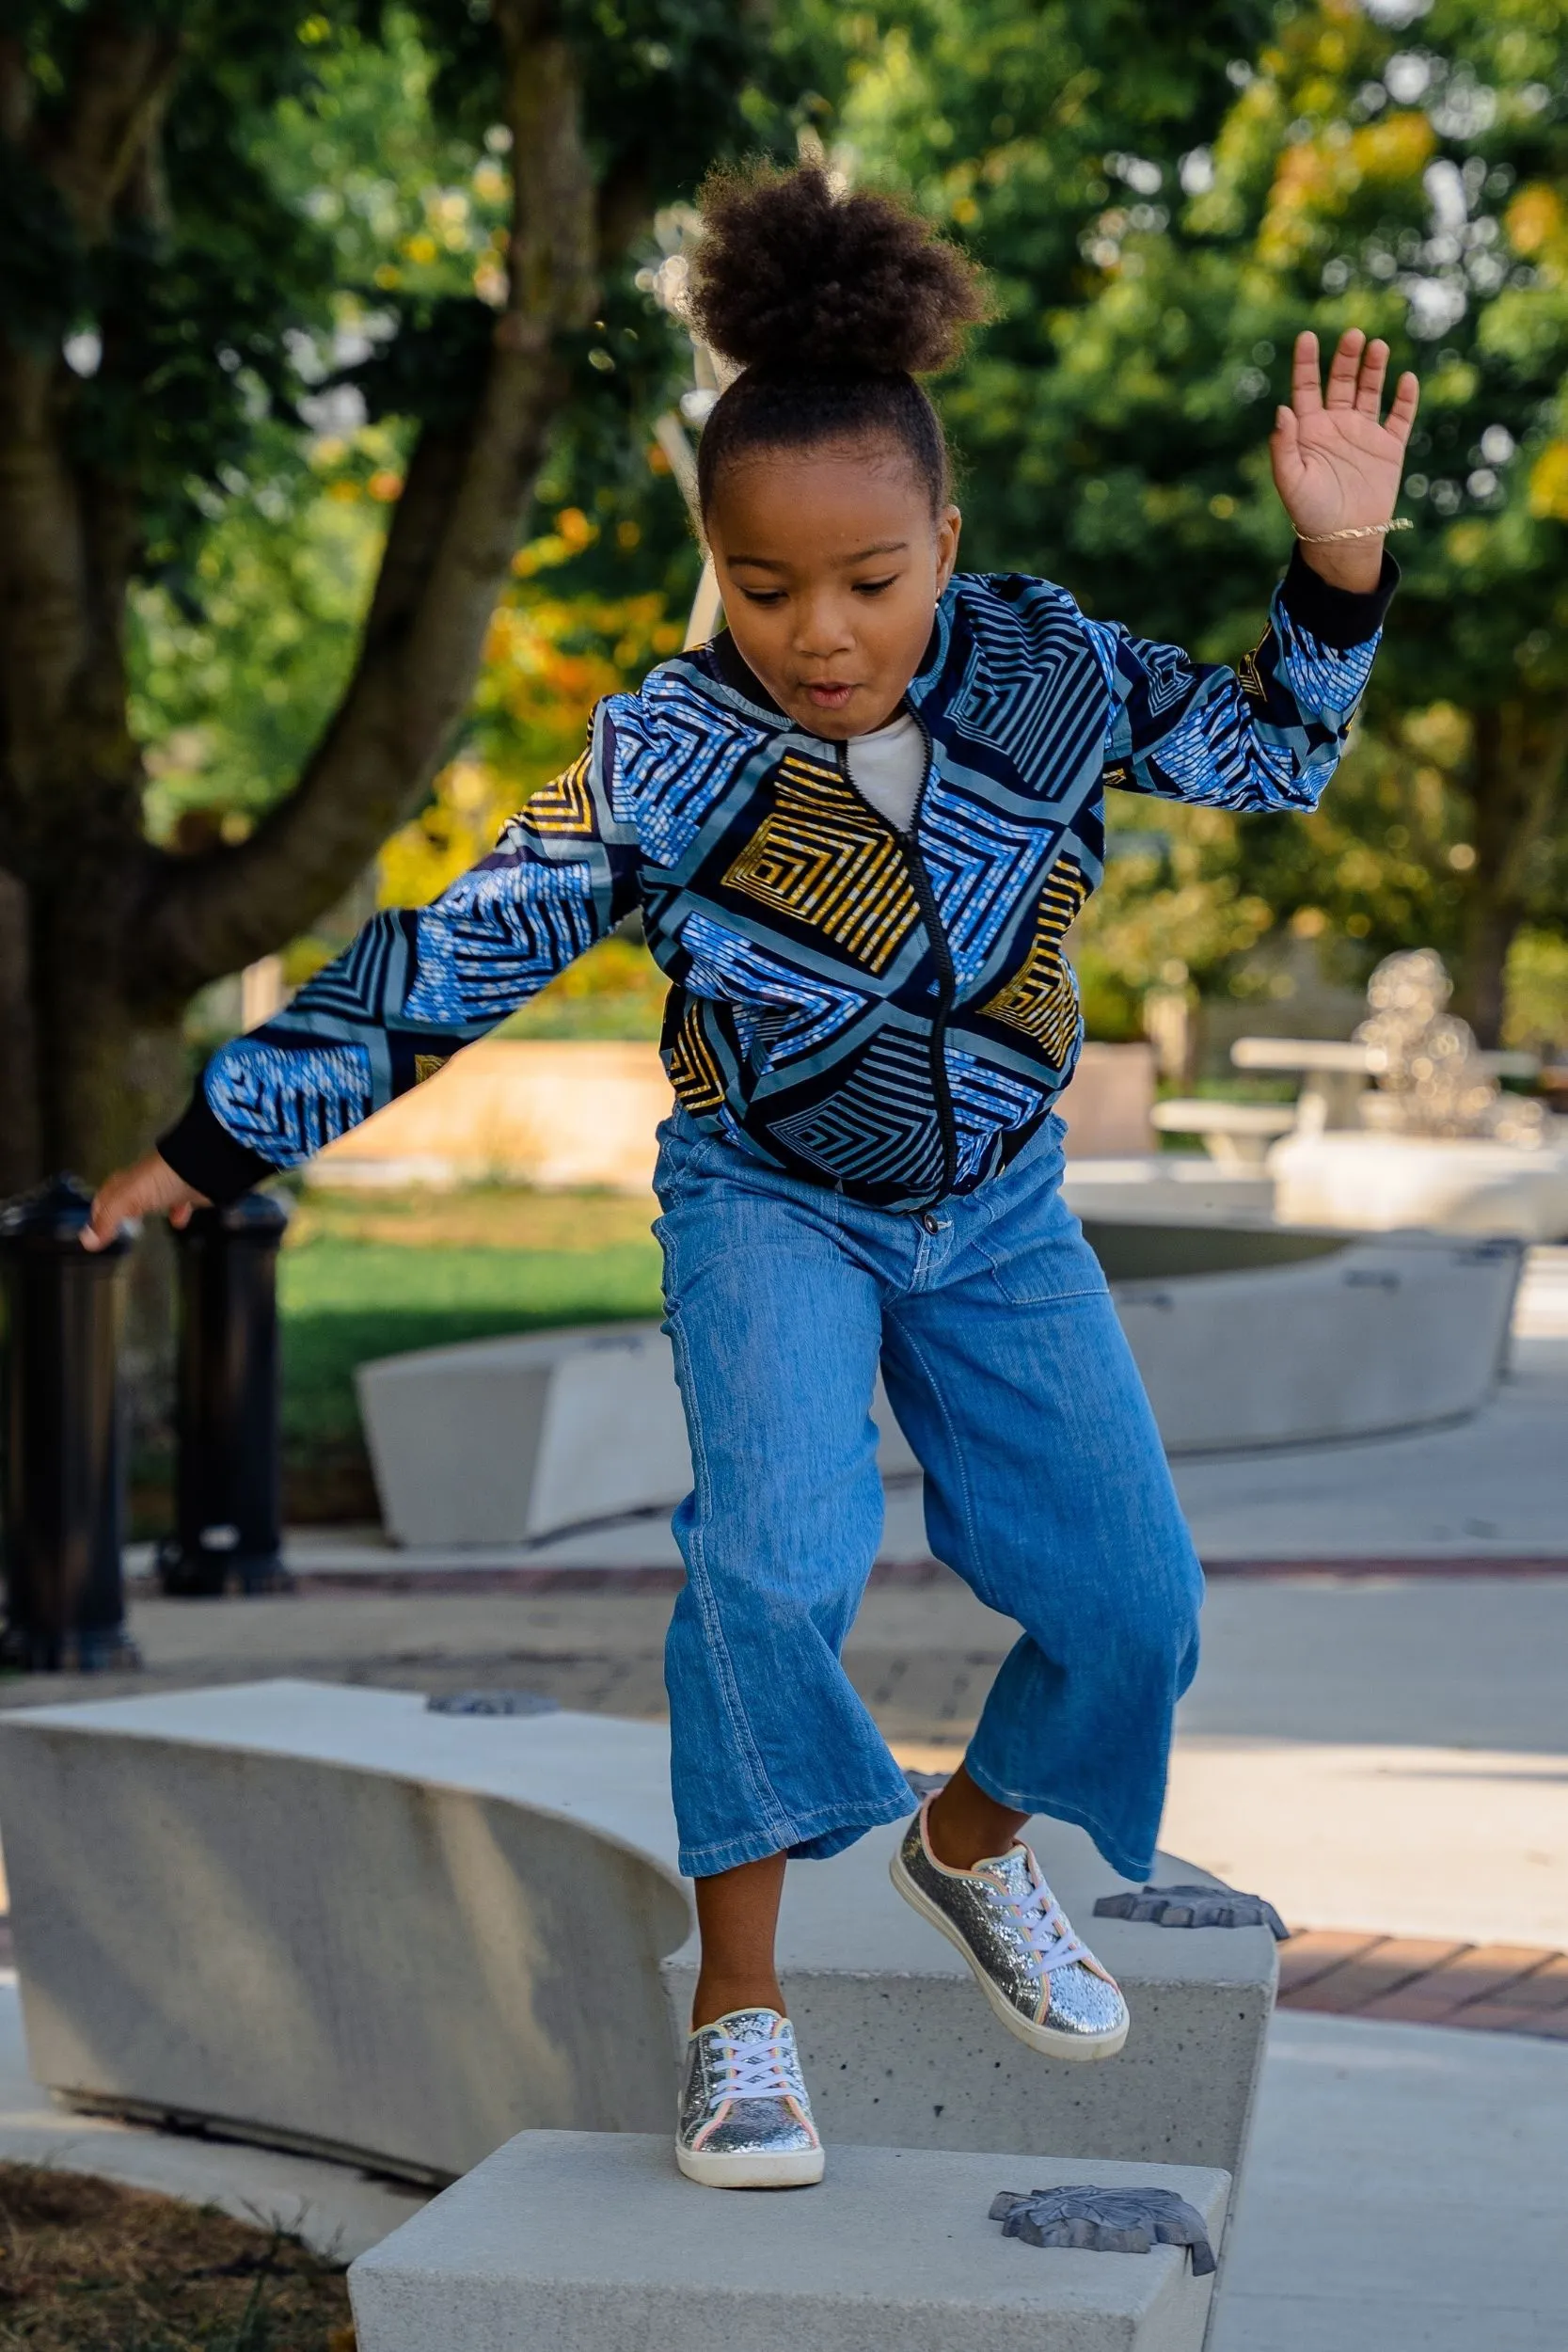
x=1381 y=1751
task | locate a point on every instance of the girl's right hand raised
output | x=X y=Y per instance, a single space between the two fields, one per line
x=145 y=1189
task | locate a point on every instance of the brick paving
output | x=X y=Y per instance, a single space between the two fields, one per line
x=1415 y=1981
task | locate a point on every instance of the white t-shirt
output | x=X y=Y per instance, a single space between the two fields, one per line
x=888 y=767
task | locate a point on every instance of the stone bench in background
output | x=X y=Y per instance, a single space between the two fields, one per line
x=1462 y=1185
x=1251 y=1336
x=560 y=2242
x=501 y=1441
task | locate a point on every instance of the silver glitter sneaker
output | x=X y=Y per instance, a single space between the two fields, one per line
x=1045 y=1985
x=745 y=2118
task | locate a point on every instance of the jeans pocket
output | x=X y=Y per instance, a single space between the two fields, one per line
x=1034 y=1245
x=684 y=1152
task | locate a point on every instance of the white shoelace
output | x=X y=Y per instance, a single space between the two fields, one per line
x=753 y=2069
x=1043 y=1925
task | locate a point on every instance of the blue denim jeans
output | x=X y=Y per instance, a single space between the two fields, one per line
x=1046 y=1488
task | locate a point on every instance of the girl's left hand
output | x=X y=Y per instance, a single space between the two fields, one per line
x=1336 y=460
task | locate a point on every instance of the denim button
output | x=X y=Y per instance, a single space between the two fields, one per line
x=931 y=1224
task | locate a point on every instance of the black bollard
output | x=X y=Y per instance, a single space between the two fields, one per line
x=62 y=1483
x=228 y=1480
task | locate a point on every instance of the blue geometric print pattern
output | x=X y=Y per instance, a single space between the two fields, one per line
x=880 y=1124
x=1042 y=702
x=364 y=980
x=286 y=1104
x=485 y=947
x=980 y=859
x=673 y=764
x=1210 y=757
x=815 y=1014
x=988 y=1105
x=1318 y=685
x=805 y=1011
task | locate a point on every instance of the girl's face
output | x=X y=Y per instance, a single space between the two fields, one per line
x=831 y=563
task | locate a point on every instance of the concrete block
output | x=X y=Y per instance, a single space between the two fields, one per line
x=901 y=2051
x=1390 y=1332
x=329 y=1919
x=566 y=2243
x=1459 y=1185
x=497 y=1442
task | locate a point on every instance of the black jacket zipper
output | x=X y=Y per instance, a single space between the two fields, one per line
x=926 y=898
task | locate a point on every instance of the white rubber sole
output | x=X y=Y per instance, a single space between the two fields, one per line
x=1049 y=2040
x=801 y=2168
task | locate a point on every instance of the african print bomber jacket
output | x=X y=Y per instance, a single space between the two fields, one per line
x=889 y=1015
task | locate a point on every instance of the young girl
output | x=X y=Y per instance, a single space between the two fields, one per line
x=857 y=827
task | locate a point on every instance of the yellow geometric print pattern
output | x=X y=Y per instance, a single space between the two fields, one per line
x=822 y=857
x=563 y=806
x=1040 y=998
x=695 y=1075
x=1250 y=677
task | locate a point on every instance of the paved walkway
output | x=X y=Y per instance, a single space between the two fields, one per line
x=1405 y=2193
x=1388 y=1755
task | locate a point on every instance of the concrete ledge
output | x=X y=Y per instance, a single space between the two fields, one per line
x=1396 y=1331
x=1459 y=1185
x=330 y=1919
x=569 y=2243
x=901 y=2051
x=326 y=1919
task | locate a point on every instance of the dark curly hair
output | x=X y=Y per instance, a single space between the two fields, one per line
x=831 y=306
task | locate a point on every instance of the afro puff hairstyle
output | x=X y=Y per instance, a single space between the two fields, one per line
x=830 y=306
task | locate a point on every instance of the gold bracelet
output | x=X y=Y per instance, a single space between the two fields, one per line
x=1365 y=530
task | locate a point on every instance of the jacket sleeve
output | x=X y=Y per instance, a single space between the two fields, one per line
x=415 y=986
x=1266 y=735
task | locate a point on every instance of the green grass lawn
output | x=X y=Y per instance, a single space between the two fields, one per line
x=378 y=1274
x=345 y=1302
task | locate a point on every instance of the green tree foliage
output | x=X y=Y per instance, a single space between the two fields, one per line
x=218 y=224
x=1398 y=166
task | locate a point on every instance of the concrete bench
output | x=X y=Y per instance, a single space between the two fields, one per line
x=1261 y=1336
x=1170 y=1185
x=565 y=2243
x=1329 y=1341
x=1237 y=1133
x=330 y=1918
x=503 y=1441
x=1455 y=1186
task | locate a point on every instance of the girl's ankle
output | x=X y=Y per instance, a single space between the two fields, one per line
x=964 y=1826
x=720 y=1997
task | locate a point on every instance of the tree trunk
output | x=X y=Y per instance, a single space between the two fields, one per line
x=102 y=938
x=21 y=1131
x=1518 y=789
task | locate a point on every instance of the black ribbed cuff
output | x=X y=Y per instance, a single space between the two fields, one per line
x=1341 y=617
x=203 y=1153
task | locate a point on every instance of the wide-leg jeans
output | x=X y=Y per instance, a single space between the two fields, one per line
x=1046 y=1489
